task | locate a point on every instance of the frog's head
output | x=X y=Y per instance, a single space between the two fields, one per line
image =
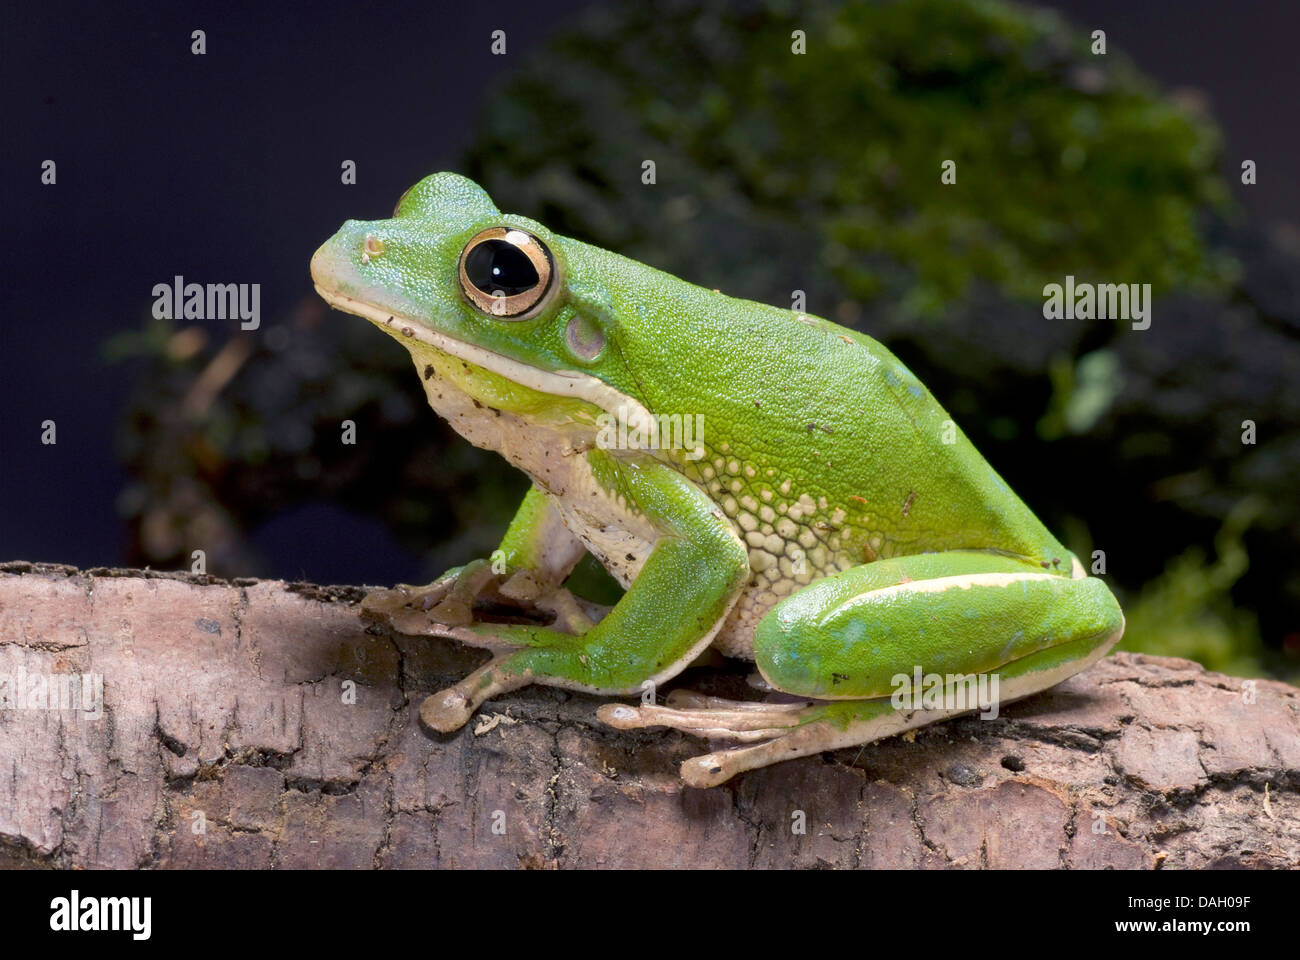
x=450 y=273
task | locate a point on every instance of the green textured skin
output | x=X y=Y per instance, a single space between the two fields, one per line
x=698 y=563
x=824 y=455
x=524 y=545
x=844 y=637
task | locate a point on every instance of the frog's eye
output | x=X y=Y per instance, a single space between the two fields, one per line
x=506 y=272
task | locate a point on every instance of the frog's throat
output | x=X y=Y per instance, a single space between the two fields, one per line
x=559 y=383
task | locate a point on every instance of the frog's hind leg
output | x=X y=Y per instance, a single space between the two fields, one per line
x=982 y=623
x=826 y=726
x=833 y=725
x=789 y=730
x=786 y=730
x=709 y=717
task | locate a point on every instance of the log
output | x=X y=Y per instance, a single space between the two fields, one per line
x=261 y=724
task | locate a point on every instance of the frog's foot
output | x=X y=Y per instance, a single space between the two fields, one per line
x=447 y=602
x=789 y=730
x=721 y=720
x=811 y=736
x=450 y=709
x=455 y=601
x=773 y=731
x=967 y=602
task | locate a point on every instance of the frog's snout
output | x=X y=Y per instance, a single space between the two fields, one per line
x=330 y=264
x=319 y=259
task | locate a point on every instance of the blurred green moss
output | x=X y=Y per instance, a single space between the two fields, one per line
x=1066 y=162
x=1188 y=610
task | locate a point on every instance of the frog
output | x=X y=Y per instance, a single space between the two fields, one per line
x=761 y=482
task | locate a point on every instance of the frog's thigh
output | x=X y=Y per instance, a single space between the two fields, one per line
x=849 y=635
x=843 y=639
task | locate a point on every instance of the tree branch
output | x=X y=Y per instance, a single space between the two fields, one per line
x=228 y=737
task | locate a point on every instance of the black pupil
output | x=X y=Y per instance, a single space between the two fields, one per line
x=499 y=266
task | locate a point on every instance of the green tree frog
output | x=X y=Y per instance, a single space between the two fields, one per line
x=759 y=480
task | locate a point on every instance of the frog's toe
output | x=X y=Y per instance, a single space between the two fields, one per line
x=450 y=709
x=711 y=769
x=821 y=727
x=742 y=722
x=573 y=615
x=416 y=611
x=768 y=732
x=446 y=711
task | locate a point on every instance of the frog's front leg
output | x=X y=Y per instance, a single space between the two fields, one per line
x=536 y=555
x=853 y=639
x=669 y=614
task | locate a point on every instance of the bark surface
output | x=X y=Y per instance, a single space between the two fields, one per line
x=260 y=724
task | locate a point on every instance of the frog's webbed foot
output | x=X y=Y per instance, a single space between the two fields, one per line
x=474 y=594
x=769 y=726
x=771 y=732
x=712 y=718
x=471 y=605
x=465 y=605
x=450 y=709
x=811 y=737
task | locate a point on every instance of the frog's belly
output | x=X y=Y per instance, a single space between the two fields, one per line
x=736 y=638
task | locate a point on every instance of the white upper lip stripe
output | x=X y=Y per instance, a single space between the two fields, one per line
x=560 y=383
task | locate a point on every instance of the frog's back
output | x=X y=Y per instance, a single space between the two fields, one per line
x=820 y=444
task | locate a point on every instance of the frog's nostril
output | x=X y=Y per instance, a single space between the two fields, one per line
x=372 y=247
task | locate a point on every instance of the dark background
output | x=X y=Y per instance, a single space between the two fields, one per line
x=220 y=166
x=225 y=168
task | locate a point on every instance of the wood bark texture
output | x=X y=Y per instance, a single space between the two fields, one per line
x=260 y=724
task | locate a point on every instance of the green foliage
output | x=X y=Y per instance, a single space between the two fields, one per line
x=1081 y=393
x=1066 y=162
x=1188 y=610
